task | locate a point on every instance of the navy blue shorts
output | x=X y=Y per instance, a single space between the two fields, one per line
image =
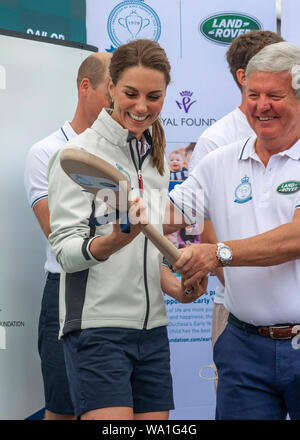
x=56 y=385
x=119 y=367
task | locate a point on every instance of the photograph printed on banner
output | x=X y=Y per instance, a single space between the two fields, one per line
x=188 y=323
x=178 y=158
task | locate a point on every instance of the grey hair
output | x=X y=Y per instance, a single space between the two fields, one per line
x=278 y=57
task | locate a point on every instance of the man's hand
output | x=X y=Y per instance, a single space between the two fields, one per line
x=195 y=262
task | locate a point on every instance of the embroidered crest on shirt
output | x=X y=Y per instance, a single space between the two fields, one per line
x=243 y=192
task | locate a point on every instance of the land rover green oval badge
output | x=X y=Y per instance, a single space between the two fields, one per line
x=223 y=28
x=288 y=187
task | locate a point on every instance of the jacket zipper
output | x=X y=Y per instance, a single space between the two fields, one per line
x=141 y=188
x=146 y=285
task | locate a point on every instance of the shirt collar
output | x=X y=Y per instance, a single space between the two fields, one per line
x=248 y=150
x=68 y=131
x=293 y=152
x=143 y=146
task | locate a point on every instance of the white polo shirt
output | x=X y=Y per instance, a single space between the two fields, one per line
x=231 y=128
x=35 y=176
x=243 y=198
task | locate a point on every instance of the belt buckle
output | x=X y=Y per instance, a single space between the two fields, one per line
x=279 y=327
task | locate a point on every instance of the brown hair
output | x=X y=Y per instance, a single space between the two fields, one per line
x=245 y=46
x=149 y=54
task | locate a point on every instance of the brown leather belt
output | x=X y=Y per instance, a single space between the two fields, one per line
x=280 y=331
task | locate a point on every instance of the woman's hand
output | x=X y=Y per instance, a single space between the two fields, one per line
x=177 y=290
x=103 y=247
x=197 y=289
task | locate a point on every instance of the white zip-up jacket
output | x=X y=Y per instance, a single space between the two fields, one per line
x=124 y=290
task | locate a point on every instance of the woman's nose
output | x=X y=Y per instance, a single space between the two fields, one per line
x=141 y=105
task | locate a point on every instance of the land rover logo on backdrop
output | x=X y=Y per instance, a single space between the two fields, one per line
x=224 y=27
x=130 y=20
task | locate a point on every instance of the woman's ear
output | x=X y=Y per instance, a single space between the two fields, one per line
x=111 y=89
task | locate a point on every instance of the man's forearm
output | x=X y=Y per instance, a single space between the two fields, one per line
x=41 y=211
x=277 y=246
x=273 y=247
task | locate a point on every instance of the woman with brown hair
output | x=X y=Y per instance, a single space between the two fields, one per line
x=113 y=317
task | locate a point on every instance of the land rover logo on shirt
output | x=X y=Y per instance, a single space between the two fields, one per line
x=243 y=192
x=288 y=187
x=224 y=27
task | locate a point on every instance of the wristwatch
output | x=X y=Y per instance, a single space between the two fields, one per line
x=224 y=254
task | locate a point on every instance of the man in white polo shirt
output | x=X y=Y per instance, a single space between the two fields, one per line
x=92 y=79
x=252 y=196
x=232 y=127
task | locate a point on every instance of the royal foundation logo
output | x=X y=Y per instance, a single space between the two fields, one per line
x=186 y=101
x=189 y=114
x=224 y=27
x=130 y=20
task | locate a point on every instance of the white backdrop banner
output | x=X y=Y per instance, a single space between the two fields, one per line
x=290 y=10
x=195 y=35
x=38 y=93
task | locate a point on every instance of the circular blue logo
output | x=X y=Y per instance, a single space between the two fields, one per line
x=130 y=20
x=243 y=192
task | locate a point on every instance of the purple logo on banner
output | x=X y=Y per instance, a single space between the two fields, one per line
x=186 y=101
